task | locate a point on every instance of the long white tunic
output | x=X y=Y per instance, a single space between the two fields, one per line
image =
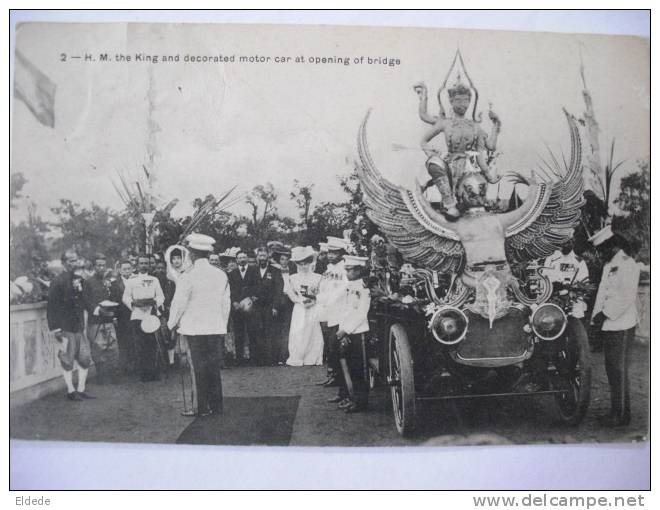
x=305 y=337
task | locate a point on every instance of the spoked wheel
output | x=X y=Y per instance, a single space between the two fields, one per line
x=373 y=377
x=575 y=371
x=401 y=380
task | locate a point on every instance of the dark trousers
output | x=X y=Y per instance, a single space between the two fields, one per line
x=281 y=328
x=206 y=359
x=243 y=330
x=352 y=352
x=147 y=353
x=616 y=347
x=331 y=347
x=262 y=350
x=126 y=345
x=166 y=341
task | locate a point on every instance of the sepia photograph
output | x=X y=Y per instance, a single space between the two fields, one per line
x=328 y=236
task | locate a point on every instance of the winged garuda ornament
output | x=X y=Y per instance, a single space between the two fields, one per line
x=479 y=238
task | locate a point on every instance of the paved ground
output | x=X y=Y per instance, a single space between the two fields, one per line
x=131 y=411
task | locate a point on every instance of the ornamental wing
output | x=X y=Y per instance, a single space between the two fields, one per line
x=418 y=232
x=556 y=210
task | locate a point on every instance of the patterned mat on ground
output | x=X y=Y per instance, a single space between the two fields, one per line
x=246 y=421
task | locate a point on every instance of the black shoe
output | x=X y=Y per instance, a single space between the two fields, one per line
x=354 y=407
x=332 y=382
x=335 y=400
x=206 y=413
x=74 y=396
x=344 y=403
x=85 y=396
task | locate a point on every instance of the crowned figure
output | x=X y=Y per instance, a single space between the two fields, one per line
x=468 y=145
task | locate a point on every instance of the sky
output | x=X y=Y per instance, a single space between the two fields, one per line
x=220 y=125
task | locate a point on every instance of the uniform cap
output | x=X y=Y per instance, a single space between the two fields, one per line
x=353 y=260
x=200 y=242
x=336 y=243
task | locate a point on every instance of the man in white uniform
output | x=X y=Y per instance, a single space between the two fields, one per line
x=350 y=334
x=331 y=293
x=200 y=309
x=565 y=269
x=615 y=314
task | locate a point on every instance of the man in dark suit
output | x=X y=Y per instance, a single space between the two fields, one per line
x=243 y=287
x=125 y=342
x=269 y=294
x=66 y=324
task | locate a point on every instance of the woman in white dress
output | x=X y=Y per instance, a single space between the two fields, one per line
x=305 y=337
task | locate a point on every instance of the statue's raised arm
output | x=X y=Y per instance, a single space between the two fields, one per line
x=422 y=92
x=491 y=141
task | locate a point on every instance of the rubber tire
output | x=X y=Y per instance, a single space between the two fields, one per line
x=403 y=394
x=576 y=335
x=372 y=377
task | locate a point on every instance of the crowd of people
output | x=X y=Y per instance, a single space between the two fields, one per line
x=285 y=306
x=213 y=309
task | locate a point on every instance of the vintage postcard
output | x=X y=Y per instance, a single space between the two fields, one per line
x=328 y=236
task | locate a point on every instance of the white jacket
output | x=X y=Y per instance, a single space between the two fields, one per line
x=355 y=308
x=202 y=301
x=331 y=293
x=617 y=293
x=142 y=286
x=566 y=268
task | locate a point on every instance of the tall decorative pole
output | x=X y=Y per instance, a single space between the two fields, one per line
x=148 y=232
x=593 y=173
x=152 y=129
x=152 y=151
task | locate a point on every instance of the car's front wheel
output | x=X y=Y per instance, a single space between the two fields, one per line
x=401 y=380
x=574 y=374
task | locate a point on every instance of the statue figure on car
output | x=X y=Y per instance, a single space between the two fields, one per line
x=469 y=149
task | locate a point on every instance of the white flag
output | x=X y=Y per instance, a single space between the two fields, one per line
x=35 y=89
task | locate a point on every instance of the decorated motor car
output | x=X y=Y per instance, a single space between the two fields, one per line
x=460 y=323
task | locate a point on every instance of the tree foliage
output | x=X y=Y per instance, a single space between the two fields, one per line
x=96 y=229
x=27 y=239
x=16 y=182
x=91 y=230
x=27 y=246
x=302 y=196
x=262 y=201
x=634 y=199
